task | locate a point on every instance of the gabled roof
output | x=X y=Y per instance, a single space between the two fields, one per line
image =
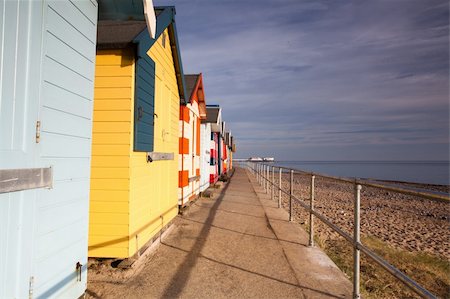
x=212 y=114
x=214 y=117
x=227 y=138
x=191 y=83
x=195 y=91
x=114 y=32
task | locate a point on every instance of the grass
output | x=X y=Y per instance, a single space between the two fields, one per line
x=430 y=271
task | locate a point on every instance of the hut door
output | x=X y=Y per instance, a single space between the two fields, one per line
x=20 y=41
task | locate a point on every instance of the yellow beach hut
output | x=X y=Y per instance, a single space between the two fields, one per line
x=191 y=115
x=134 y=173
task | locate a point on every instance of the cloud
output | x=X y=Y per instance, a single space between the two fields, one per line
x=289 y=73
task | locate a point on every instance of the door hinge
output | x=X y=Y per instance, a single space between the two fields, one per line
x=38 y=131
x=31 y=286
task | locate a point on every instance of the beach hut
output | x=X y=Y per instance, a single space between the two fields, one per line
x=232 y=150
x=227 y=141
x=46 y=94
x=191 y=114
x=222 y=156
x=139 y=84
x=205 y=155
x=214 y=118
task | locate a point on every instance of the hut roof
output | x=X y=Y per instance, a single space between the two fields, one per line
x=118 y=34
x=212 y=114
x=191 y=82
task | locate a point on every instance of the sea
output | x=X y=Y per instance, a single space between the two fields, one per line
x=427 y=172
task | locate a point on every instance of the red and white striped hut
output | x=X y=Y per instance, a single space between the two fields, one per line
x=191 y=115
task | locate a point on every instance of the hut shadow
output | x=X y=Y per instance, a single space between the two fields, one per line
x=183 y=271
x=169 y=293
x=245 y=234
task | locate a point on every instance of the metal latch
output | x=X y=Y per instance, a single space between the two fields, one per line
x=38 y=131
x=78 y=268
x=30 y=287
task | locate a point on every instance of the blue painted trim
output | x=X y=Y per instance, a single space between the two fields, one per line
x=144 y=95
x=166 y=19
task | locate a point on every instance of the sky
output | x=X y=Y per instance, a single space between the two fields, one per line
x=324 y=80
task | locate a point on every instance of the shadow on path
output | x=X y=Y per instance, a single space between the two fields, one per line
x=248 y=271
x=179 y=281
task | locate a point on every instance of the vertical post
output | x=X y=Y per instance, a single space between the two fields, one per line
x=291 y=189
x=260 y=174
x=257 y=173
x=279 y=186
x=267 y=178
x=357 y=240
x=264 y=177
x=273 y=183
x=311 y=216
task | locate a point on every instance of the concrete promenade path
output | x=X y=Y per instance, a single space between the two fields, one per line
x=237 y=244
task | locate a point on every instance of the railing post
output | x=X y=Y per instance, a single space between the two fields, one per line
x=267 y=178
x=279 y=186
x=311 y=216
x=273 y=183
x=264 y=177
x=259 y=174
x=357 y=240
x=291 y=189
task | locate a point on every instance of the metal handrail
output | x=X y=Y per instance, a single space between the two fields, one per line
x=261 y=171
x=369 y=184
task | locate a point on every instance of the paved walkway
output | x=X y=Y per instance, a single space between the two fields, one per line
x=235 y=245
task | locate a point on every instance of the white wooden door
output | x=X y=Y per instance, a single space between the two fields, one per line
x=20 y=51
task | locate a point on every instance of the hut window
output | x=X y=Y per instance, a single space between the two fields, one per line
x=163 y=40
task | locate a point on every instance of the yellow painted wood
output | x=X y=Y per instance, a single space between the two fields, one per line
x=116 y=81
x=107 y=218
x=112 y=70
x=110 y=184
x=108 y=207
x=111 y=138
x=101 y=115
x=111 y=127
x=110 y=172
x=111 y=93
x=111 y=143
x=110 y=195
x=110 y=161
x=123 y=58
x=127 y=191
x=109 y=149
x=154 y=185
x=108 y=251
x=109 y=105
x=109 y=230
